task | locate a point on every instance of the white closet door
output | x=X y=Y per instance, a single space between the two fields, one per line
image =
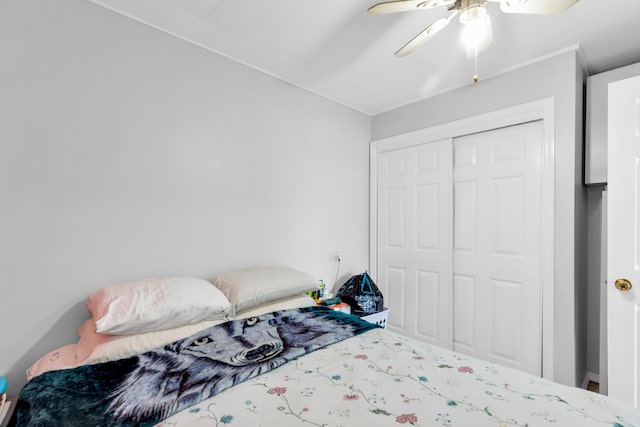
x=414 y=240
x=496 y=246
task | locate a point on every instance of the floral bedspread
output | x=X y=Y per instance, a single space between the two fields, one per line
x=381 y=379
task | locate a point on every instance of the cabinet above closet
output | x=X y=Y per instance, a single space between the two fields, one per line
x=595 y=162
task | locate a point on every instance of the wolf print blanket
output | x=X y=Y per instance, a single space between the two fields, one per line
x=145 y=389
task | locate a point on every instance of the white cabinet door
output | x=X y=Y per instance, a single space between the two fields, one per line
x=496 y=251
x=623 y=245
x=414 y=240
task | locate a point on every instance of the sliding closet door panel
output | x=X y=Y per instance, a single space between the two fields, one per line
x=497 y=243
x=414 y=239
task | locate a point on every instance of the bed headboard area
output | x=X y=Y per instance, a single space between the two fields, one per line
x=125 y=319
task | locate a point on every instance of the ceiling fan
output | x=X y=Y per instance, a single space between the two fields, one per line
x=473 y=14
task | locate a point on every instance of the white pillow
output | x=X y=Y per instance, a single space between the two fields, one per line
x=298 y=301
x=253 y=286
x=96 y=348
x=155 y=304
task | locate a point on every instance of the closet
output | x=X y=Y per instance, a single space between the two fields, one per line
x=459 y=240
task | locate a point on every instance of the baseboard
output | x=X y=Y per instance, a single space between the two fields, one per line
x=590 y=376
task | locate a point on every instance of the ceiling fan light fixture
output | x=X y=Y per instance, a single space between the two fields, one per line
x=477 y=34
x=472 y=10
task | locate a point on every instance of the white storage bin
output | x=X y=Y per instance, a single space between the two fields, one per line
x=379 y=318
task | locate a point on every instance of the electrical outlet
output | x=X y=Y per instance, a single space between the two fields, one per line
x=334 y=256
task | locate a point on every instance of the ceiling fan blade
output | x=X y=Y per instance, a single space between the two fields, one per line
x=406 y=6
x=544 y=7
x=425 y=35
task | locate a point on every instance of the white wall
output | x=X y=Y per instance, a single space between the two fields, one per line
x=126 y=153
x=562 y=78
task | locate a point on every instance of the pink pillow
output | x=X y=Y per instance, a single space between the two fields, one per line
x=155 y=304
x=60 y=358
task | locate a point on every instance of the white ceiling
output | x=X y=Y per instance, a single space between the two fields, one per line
x=336 y=49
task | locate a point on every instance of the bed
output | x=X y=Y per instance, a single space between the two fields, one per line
x=278 y=359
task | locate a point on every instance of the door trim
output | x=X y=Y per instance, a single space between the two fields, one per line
x=538 y=110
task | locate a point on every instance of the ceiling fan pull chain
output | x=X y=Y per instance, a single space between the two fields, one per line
x=475 y=76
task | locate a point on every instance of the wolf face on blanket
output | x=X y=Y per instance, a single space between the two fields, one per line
x=181 y=374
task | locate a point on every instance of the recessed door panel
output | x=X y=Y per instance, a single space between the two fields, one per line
x=395 y=218
x=426 y=159
x=508 y=148
x=427 y=210
x=465 y=214
x=464 y=301
x=464 y=155
x=395 y=298
x=427 y=307
x=506 y=321
x=508 y=226
x=394 y=166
